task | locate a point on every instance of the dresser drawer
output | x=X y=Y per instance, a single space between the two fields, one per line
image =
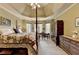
x=74 y=50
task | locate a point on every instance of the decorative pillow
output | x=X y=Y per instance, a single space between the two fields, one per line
x=16 y=31
x=10 y=31
x=20 y=31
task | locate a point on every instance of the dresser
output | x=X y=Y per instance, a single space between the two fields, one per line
x=69 y=45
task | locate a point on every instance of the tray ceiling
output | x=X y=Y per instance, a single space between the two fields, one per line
x=25 y=11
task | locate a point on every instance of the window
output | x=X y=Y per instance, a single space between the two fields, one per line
x=34 y=27
x=29 y=28
x=47 y=28
x=40 y=28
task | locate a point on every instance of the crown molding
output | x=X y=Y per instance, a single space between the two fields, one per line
x=65 y=10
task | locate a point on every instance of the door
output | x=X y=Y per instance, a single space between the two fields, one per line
x=60 y=31
x=60 y=27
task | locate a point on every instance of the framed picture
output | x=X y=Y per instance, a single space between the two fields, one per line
x=4 y=21
x=77 y=21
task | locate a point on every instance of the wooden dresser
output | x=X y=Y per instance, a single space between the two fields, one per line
x=70 y=45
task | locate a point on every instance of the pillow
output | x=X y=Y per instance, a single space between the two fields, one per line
x=10 y=31
x=16 y=31
x=20 y=31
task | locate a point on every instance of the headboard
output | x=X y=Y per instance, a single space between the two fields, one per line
x=6 y=31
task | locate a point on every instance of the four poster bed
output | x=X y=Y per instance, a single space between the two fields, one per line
x=11 y=41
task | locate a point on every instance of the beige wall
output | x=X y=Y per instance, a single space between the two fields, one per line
x=8 y=16
x=13 y=19
x=69 y=20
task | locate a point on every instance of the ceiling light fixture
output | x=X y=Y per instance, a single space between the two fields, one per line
x=34 y=5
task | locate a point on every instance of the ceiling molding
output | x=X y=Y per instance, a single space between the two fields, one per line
x=9 y=9
x=65 y=11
